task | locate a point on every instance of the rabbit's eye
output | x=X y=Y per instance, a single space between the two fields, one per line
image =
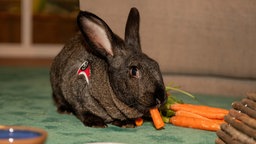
x=134 y=72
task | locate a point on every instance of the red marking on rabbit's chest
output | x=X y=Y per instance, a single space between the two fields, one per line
x=85 y=70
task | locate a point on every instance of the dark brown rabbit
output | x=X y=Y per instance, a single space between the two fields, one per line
x=102 y=79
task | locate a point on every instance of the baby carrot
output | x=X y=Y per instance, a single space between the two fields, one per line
x=188 y=114
x=194 y=115
x=209 y=108
x=156 y=117
x=139 y=122
x=204 y=107
x=206 y=111
x=197 y=123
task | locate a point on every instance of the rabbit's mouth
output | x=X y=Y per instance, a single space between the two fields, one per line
x=151 y=100
x=158 y=103
x=144 y=106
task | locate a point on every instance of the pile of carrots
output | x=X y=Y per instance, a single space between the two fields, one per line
x=193 y=116
x=187 y=115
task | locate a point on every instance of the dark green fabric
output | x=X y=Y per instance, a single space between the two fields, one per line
x=25 y=99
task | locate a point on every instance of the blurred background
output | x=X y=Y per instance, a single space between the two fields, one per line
x=33 y=31
x=203 y=46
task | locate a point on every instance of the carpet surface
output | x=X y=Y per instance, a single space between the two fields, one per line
x=25 y=99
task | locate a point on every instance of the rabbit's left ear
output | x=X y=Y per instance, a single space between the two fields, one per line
x=132 y=37
x=96 y=33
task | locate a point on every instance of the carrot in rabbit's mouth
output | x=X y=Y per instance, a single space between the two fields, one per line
x=157 y=118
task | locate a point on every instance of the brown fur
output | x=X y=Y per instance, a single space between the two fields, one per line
x=114 y=93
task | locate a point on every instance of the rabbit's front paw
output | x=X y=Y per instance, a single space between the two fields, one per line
x=63 y=109
x=124 y=124
x=93 y=121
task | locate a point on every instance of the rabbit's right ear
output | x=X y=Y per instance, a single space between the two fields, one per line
x=96 y=32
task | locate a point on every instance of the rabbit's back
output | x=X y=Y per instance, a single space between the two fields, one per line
x=67 y=59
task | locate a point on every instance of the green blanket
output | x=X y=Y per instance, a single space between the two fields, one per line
x=25 y=99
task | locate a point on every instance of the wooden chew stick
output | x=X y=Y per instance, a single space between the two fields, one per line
x=236 y=135
x=226 y=138
x=251 y=96
x=240 y=126
x=239 y=106
x=249 y=103
x=243 y=117
x=219 y=141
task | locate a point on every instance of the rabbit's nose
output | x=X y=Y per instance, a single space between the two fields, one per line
x=160 y=95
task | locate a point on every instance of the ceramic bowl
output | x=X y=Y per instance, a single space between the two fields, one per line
x=22 y=135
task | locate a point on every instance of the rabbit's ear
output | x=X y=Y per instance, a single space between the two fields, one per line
x=96 y=32
x=132 y=37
